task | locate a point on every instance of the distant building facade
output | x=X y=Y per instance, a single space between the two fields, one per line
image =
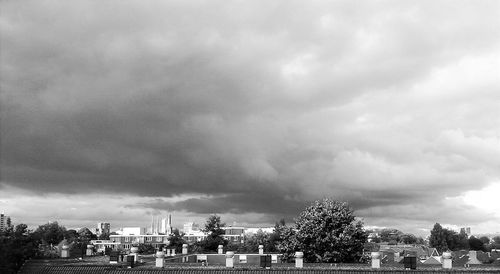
x=102 y=228
x=233 y=234
x=192 y=233
x=126 y=231
x=101 y=245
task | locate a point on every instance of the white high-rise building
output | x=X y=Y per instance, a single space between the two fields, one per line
x=161 y=226
x=102 y=228
x=166 y=225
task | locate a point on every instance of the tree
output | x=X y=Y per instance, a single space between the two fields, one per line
x=275 y=237
x=376 y=239
x=104 y=236
x=408 y=238
x=463 y=240
x=71 y=235
x=213 y=227
x=175 y=240
x=390 y=235
x=485 y=240
x=253 y=241
x=285 y=241
x=496 y=239
x=445 y=239
x=476 y=244
x=371 y=247
x=495 y=244
x=9 y=227
x=327 y=231
x=438 y=238
x=15 y=248
x=451 y=238
x=50 y=233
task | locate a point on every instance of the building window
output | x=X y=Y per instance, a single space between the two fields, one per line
x=274 y=258
x=201 y=258
x=243 y=259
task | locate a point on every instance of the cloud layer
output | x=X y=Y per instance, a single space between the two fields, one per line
x=254 y=107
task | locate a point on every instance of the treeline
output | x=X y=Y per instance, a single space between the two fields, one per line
x=444 y=239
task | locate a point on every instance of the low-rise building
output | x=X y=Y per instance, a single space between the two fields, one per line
x=101 y=245
x=132 y=231
x=231 y=233
x=191 y=227
x=235 y=234
x=127 y=241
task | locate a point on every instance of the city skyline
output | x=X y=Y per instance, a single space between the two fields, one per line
x=116 y=111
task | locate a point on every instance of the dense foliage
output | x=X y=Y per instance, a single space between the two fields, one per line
x=213 y=227
x=175 y=240
x=476 y=244
x=50 y=233
x=286 y=241
x=19 y=244
x=267 y=240
x=326 y=231
x=16 y=246
x=438 y=238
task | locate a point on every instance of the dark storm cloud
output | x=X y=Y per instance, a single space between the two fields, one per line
x=269 y=204
x=261 y=106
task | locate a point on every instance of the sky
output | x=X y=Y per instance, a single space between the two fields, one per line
x=119 y=110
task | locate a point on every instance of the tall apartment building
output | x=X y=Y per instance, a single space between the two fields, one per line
x=3 y=221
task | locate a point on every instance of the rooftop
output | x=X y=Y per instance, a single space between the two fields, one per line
x=100 y=264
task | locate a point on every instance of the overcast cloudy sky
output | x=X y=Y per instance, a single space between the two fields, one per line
x=116 y=110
